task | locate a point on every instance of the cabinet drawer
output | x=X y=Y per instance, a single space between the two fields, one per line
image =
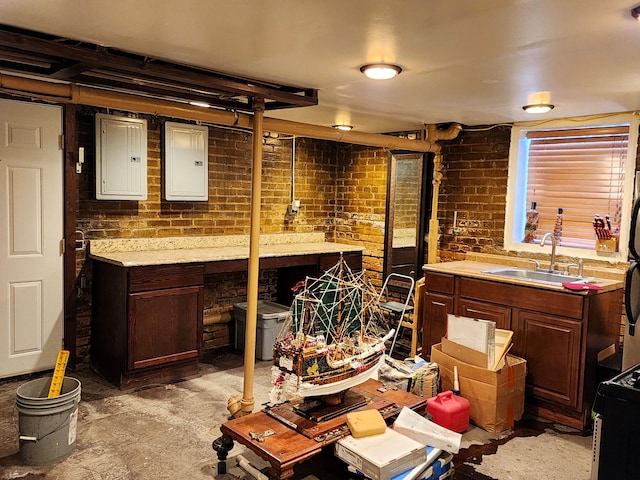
x=528 y=298
x=485 y=311
x=439 y=282
x=165 y=276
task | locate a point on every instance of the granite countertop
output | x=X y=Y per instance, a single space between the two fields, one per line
x=175 y=250
x=476 y=264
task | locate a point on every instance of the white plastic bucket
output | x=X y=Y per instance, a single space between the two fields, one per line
x=47 y=426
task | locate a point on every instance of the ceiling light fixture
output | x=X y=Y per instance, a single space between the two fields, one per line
x=381 y=71
x=346 y=128
x=635 y=13
x=538 y=108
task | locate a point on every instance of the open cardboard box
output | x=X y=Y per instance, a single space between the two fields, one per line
x=477 y=358
x=496 y=398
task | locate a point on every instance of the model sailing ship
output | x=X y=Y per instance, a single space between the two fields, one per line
x=333 y=338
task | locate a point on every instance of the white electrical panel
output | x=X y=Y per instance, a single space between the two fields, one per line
x=186 y=162
x=121 y=158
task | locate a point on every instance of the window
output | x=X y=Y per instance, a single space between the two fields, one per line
x=585 y=168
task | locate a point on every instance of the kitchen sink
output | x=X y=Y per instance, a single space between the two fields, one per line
x=538 y=276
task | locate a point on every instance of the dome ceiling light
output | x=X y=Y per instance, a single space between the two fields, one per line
x=346 y=128
x=538 y=108
x=539 y=102
x=381 y=71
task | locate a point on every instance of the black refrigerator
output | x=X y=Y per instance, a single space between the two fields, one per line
x=616 y=430
x=631 y=345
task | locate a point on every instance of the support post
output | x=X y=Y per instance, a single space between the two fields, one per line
x=246 y=404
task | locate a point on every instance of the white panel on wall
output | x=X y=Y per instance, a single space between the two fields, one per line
x=121 y=158
x=186 y=162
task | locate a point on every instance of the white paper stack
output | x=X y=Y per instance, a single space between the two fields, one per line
x=383 y=456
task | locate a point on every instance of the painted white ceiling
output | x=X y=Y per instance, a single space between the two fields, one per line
x=468 y=61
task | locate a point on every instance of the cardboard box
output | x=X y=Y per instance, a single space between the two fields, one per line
x=496 y=398
x=475 y=334
x=474 y=357
x=381 y=457
x=463 y=342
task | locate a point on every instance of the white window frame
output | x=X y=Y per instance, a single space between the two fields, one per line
x=516 y=187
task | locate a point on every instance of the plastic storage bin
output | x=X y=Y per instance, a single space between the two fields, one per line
x=268 y=323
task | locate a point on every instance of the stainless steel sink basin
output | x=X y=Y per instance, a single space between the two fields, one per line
x=538 y=276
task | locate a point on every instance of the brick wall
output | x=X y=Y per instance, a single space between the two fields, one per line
x=475 y=185
x=476 y=167
x=341 y=189
x=361 y=184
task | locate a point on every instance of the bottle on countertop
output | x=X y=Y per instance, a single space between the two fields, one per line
x=557 y=229
x=531 y=225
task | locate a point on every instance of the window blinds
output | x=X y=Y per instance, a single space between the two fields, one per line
x=581 y=171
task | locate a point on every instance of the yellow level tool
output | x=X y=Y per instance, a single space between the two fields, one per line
x=58 y=373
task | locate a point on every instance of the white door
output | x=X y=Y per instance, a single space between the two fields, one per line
x=31 y=229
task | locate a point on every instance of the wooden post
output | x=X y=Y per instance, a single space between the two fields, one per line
x=432 y=252
x=246 y=405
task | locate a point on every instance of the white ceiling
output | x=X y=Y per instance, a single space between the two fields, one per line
x=468 y=61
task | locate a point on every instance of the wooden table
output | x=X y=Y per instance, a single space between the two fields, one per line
x=295 y=438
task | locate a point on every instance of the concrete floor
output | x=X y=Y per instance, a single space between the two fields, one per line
x=165 y=432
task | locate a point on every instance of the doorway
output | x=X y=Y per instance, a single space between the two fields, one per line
x=408 y=192
x=31 y=249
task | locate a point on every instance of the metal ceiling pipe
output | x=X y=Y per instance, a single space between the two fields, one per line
x=84 y=95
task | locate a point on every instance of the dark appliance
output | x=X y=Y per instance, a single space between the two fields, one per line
x=616 y=431
x=616 y=428
x=631 y=345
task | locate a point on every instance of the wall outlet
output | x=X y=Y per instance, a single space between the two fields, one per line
x=294 y=207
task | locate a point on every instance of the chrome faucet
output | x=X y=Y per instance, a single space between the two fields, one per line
x=552 y=263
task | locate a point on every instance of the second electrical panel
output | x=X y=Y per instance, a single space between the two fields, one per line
x=186 y=166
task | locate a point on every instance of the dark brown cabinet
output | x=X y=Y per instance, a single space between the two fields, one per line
x=434 y=325
x=552 y=347
x=147 y=322
x=163 y=326
x=558 y=332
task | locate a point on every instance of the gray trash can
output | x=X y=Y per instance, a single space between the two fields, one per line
x=269 y=321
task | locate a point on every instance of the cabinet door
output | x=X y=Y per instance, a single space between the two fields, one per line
x=485 y=311
x=164 y=326
x=551 y=346
x=434 y=319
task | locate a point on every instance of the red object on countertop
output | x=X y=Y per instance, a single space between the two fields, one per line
x=449 y=411
x=581 y=286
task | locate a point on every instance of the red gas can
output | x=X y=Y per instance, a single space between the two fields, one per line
x=449 y=411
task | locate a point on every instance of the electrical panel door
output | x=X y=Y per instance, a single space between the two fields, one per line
x=121 y=158
x=186 y=165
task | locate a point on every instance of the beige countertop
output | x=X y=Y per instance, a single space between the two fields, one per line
x=175 y=250
x=475 y=265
